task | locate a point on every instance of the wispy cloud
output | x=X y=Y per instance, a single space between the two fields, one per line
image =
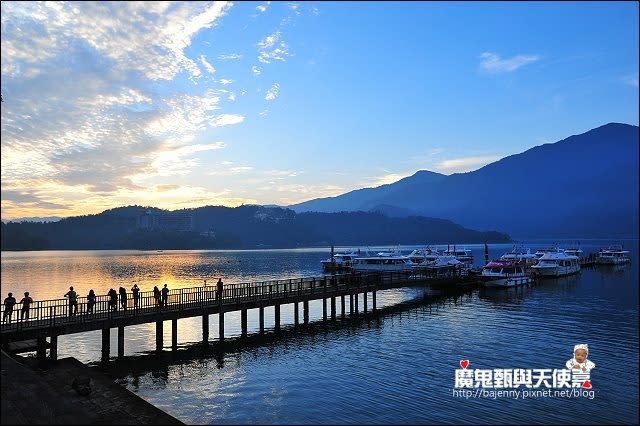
x=272 y=48
x=465 y=164
x=207 y=65
x=263 y=7
x=494 y=64
x=230 y=56
x=387 y=178
x=256 y=70
x=225 y=81
x=273 y=92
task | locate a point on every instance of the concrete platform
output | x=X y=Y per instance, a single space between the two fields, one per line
x=45 y=396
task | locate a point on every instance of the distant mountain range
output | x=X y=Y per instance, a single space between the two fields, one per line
x=584 y=186
x=249 y=226
x=34 y=219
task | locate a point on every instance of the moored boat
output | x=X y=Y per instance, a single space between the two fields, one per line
x=462 y=254
x=383 y=261
x=613 y=255
x=518 y=253
x=340 y=261
x=556 y=264
x=504 y=273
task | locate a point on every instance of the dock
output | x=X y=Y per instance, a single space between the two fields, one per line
x=50 y=318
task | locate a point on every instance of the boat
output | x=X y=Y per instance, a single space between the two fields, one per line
x=340 y=261
x=383 y=261
x=573 y=252
x=556 y=264
x=613 y=255
x=505 y=273
x=462 y=254
x=518 y=253
x=541 y=252
x=426 y=254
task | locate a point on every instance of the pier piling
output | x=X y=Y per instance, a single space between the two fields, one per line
x=120 y=342
x=342 y=305
x=305 y=311
x=205 y=329
x=174 y=334
x=243 y=321
x=41 y=348
x=324 y=309
x=261 y=320
x=221 y=326
x=106 y=344
x=296 y=319
x=159 y=336
x=53 y=348
x=277 y=317
x=333 y=308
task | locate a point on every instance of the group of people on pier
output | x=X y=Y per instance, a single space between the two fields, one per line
x=161 y=298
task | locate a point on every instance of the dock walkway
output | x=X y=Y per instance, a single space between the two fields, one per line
x=50 y=318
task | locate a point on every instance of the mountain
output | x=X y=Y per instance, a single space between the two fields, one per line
x=34 y=219
x=584 y=186
x=216 y=227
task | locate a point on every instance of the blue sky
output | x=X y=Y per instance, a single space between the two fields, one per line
x=189 y=104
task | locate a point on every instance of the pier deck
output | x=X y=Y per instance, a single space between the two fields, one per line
x=50 y=318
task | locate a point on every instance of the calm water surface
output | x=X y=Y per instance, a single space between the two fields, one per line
x=398 y=368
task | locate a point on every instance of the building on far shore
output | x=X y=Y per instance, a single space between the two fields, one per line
x=181 y=221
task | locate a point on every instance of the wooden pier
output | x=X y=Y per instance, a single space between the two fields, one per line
x=50 y=318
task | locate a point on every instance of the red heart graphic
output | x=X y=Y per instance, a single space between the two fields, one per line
x=464 y=363
x=586 y=384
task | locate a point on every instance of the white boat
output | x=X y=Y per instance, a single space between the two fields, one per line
x=504 y=273
x=541 y=252
x=574 y=252
x=427 y=254
x=440 y=262
x=340 y=261
x=518 y=253
x=613 y=255
x=556 y=264
x=462 y=254
x=383 y=261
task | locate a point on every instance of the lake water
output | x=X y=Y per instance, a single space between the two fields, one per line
x=396 y=368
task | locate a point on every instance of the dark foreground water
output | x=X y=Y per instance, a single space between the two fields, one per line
x=398 y=368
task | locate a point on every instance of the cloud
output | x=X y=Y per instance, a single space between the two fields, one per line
x=256 y=70
x=225 y=81
x=230 y=56
x=207 y=65
x=263 y=7
x=271 y=48
x=465 y=164
x=226 y=168
x=269 y=40
x=226 y=120
x=492 y=63
x=134 y=36
x=87 y=120
x=273 y=92
x=388 y=178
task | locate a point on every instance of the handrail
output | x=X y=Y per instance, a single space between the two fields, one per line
x=56 y=312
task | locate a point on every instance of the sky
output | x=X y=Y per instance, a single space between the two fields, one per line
x=178 y=105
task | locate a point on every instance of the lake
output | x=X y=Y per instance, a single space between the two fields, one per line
x=396 y=368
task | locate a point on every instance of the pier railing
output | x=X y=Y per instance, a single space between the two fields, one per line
x=58 y=311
